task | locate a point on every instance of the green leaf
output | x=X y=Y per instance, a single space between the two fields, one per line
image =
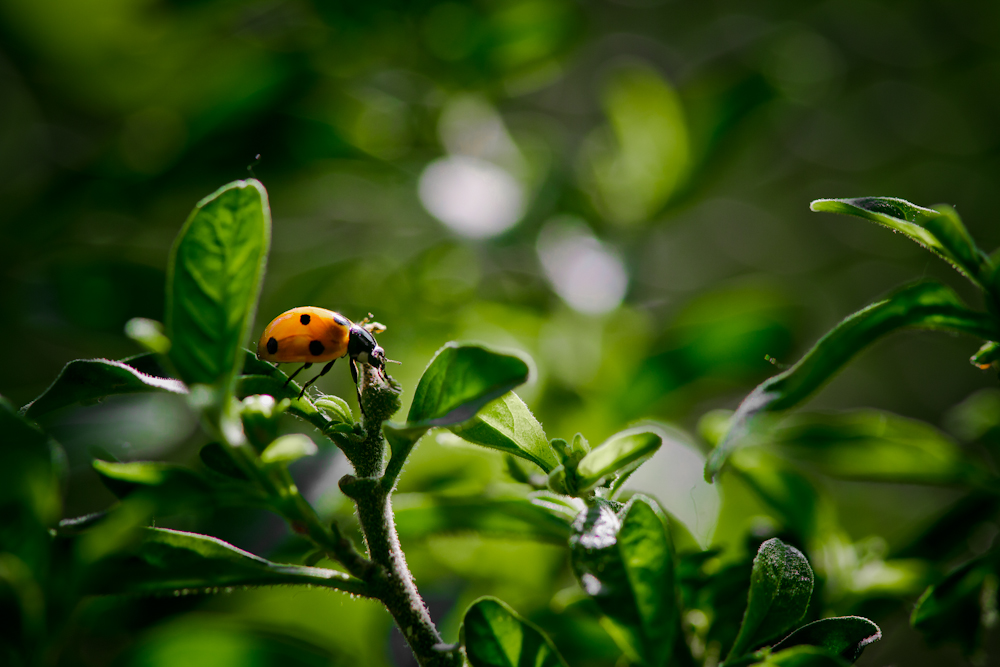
x=213 y=279
x=986 y=356
x=844 y=636
x=461 y=379
x=336 y=409
x=961 y=606
x=171 y=560
x=85 y=380
x=616 y=454
x=783 y=488
x=625 y=562
x=173 y=488
x=781 y=584
x=495 y=635
x=923 y=306
x=800 y=656
x=877 y=446
x=30 y=463
x=508 y=425
x=288 y=448
x=940 y=230
x=420 y=515
x=148 y=333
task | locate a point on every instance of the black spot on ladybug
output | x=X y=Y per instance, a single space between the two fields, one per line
x=341 y=320
x=272 y=345
x=304 y=319
x=315 y=348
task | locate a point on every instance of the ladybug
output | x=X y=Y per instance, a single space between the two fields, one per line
x=309 y=335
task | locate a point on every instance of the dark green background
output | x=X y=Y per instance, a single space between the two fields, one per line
x=117 y=116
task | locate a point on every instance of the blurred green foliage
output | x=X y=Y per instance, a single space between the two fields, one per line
x=617 y=189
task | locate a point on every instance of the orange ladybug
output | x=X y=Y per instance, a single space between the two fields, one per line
x=309 y=335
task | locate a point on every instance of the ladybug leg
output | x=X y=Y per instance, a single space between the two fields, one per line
x=354 y=374
x=304 y=366
x=326 y=369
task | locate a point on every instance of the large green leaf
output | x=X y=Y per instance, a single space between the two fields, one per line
x=924 y=306
x=625 y=563
x=780 y=587
x=874 y=445
x=420 y=515
x=170 y=560
x=461 y=379
x=508 y=425
x=495 y=635
x=213 y=278
x=940 y=230
x=616 y=454
x=86 y=380
x=844 y=636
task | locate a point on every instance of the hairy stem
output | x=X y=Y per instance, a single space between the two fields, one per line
x=392 y=583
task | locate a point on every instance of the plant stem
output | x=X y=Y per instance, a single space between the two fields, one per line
x=392 y=582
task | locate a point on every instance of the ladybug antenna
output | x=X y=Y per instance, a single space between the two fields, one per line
x=393 y=361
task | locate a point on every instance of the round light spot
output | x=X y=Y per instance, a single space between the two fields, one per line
x=473 y=197
x=588 y=275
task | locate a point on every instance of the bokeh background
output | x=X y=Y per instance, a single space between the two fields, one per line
x=620 y=189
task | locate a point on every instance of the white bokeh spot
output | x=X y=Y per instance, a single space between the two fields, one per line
x=588 y=275
x=473 y=197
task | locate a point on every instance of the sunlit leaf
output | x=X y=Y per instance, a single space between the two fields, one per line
x=213 y=278
x=844 y=636
x=625 y=562
x=148 y=333
x=508 y=425
x=288 y=448
x=85 y=380
x=616 y=454
x=940 y=230
x=631 y=168
x=495 y=635
x=780 y=587
x=170 y=560
x=461 y=379
x=924 y=306
x=421 y=515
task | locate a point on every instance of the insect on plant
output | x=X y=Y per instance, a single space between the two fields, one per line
x=308 y=335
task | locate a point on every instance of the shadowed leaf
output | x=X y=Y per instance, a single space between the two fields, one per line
x=625 y=563
x=421 y=515
x=844 y=636
x=85 y=380
x=170 y=560
x=922 y=306
x=495 y=635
